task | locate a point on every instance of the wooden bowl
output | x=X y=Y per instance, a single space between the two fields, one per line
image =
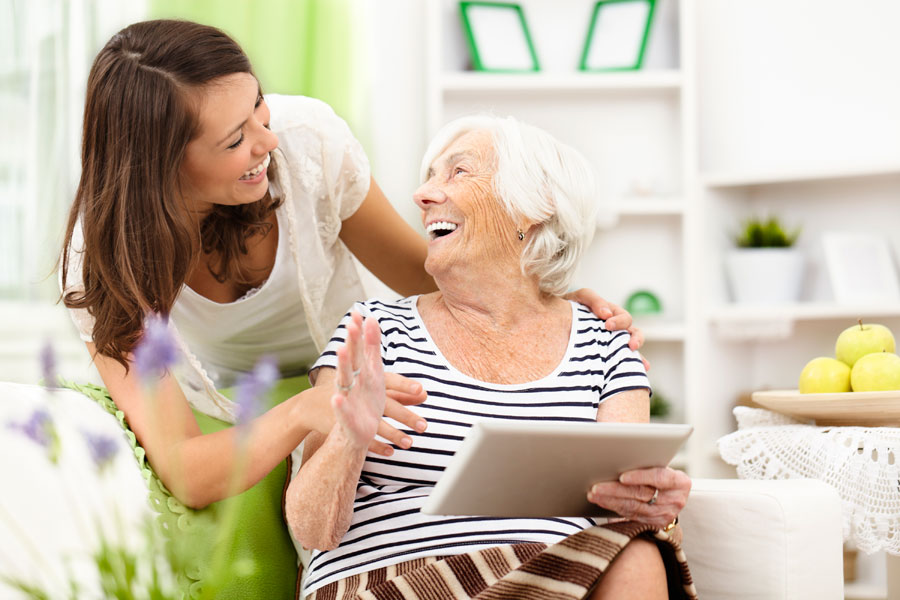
x=863 y=409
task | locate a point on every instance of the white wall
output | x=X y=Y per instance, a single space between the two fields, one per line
x=802 y=94
x=397 y=67
x=396 y=101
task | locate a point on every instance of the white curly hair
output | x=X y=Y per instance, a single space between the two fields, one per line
x=540 y=180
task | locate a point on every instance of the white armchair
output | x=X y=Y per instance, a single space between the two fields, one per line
x=764 y=540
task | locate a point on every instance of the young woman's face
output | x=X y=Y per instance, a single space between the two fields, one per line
x=226 y=162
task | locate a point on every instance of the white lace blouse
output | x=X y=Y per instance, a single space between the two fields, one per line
x=323 y=177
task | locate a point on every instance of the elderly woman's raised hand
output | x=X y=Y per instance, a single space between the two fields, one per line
x=359 y=396
x=653 y=496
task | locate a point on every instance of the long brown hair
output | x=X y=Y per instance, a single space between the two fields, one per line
x=138 y=238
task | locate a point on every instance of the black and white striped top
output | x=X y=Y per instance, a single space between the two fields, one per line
x=387 y=525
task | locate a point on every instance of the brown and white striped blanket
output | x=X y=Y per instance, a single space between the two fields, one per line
x=567 y=570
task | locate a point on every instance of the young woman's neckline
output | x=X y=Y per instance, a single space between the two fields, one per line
x=280 y=249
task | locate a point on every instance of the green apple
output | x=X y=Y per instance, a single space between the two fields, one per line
x=824 y=375
x=859 y=340
x=876 y=372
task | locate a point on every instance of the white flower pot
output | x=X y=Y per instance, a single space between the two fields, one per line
x=765 y=275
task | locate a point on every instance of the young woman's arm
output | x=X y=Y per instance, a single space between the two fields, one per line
x=385 y=243
x=200 y=469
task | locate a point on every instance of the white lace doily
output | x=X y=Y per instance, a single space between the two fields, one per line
x=861 y=463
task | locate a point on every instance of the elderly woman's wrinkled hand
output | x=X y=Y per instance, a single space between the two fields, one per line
x=359 y=397
x=654 y=496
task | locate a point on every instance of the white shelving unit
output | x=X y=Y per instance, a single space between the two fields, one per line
x=636 y=207
x=735 y=113
x=762 y=179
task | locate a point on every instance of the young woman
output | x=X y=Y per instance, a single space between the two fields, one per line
x=234 y=216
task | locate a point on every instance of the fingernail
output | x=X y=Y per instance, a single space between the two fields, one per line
x=415 y=388
x=406 y=442
x=388 y=451
x=421 y=426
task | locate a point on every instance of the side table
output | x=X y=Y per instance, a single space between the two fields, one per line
x=861 y=463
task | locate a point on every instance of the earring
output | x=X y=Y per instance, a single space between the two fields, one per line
x=520 y=235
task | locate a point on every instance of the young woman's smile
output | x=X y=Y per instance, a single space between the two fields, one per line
x=227 y=162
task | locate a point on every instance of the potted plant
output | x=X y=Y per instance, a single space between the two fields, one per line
x=765 y=267
x=659 y=407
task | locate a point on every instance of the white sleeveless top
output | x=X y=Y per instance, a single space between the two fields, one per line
x=229 y=338
x=323 y=177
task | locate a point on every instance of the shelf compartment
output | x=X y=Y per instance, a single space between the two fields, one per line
x=761 y=322
x=635 y=207
x=477 y=83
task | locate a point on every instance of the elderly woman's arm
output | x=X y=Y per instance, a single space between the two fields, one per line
x=319 y=501
x=631 y=495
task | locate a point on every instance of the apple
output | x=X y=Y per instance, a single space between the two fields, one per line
x=876 y=372
x=862 y=339
x=824 y=375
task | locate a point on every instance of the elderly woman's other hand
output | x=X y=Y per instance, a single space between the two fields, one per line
x=359 y=396
x=654 y=496
x=616 y=317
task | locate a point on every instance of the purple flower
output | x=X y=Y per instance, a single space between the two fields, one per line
x=103 y=448
x=48 y=364
x=253 y=386
x=156 y=352
x=39 y=429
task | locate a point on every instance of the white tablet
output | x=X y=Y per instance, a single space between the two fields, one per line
x=528 y=469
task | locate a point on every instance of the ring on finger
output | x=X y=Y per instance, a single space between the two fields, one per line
x=356 y=374
x=347 y=388
x=652 y=500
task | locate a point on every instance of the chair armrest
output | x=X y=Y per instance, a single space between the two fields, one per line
x=764 y=539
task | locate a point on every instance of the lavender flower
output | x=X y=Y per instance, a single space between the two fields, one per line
x=48 y=364
x=39 y=428
x=103 y=448
x=156 y=352
x=253 y=386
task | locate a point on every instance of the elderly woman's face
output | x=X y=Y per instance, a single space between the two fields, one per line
x=465 y=222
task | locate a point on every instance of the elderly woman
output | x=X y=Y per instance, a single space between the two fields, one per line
x=509 y=211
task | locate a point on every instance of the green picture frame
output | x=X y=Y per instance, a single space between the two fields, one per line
x=498 y=37
x=617 y=35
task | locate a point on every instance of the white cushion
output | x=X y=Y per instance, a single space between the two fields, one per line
x=764 y=540
x=63 y=509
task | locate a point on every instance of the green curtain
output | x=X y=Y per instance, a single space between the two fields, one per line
x=309 y=47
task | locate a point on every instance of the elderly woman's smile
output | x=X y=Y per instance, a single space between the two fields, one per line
x=438 y=229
